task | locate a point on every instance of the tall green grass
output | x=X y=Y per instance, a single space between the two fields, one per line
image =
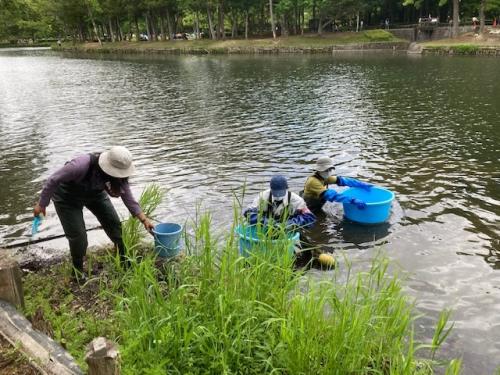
x=215 y=312
x=220 y=313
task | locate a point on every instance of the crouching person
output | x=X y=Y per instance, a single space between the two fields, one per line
x=317 y=192
x=279 y=204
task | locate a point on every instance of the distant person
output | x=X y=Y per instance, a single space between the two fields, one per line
x=316 y=192
x=475 y=24
x=87 y=181
x=387 y=23
x=279 y=204
x=59 y=42
x=361 y=25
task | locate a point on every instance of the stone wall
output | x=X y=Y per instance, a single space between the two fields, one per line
x=414 y=35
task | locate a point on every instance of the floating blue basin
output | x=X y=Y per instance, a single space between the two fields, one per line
x=378 y=205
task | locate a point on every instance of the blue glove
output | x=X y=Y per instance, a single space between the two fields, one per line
x=36 y=223
x=352 y=182
x=252 y=216
x=302 y=220
x=359 y=203
x=330 y=195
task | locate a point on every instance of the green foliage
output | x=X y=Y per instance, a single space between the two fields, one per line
x=378 y=35
x=132 y=229
x=465 y=49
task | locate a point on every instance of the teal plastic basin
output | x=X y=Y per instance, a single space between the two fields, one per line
x=249 y=241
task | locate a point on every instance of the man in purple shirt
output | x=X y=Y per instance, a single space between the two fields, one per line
x=86 y=181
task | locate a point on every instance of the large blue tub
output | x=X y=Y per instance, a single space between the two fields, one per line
x=250 y=242
x=378 y=205
x=167 y=239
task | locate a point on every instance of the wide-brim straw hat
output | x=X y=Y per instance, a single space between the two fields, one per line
x=323 y=163
x=117 y=162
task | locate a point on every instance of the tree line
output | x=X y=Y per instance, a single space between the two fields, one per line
x=117 y=20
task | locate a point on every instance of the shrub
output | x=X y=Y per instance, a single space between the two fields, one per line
x=378 y=35
x=465 y=49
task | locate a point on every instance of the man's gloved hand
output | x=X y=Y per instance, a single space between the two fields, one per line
x=352 y=182
x=329 y=195
x=359 y=203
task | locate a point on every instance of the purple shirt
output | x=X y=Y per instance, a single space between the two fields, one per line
x=75 y=171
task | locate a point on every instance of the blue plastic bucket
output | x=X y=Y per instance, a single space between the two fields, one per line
x=378 y=205
x=167 y=237
x=249 y=241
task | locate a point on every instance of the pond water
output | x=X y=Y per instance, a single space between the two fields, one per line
x=204 y=127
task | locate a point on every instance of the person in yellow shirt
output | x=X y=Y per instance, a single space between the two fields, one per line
x=316 y=192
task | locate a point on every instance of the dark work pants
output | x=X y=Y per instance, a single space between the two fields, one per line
x=69 y=202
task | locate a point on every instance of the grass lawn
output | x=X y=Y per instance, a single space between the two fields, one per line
x=305 y=42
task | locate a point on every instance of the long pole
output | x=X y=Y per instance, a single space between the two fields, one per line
x=38 y=240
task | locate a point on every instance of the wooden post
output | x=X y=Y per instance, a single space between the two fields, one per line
x=11 y=287
x=102 y=357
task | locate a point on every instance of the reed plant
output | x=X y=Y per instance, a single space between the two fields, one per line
x=220 y=313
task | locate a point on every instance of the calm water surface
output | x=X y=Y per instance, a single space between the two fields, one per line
x=203 y=127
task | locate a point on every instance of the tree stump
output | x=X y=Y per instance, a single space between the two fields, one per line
x=11 y=287
x=102 y=357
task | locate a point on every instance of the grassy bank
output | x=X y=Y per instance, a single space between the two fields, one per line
x=372 y=39
x=215 y=312
x=468 y=44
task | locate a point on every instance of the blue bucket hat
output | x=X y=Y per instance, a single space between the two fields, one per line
x=279 y=185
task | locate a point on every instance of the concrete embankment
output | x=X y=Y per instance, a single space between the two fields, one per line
x=234 y=49
x=464 y=49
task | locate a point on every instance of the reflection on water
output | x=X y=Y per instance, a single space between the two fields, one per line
x=204 y=127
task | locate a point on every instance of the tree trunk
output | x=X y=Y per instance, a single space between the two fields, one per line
x=111 y=30
x=162 y=28
x=284 y=26
x=357 y=22
x=234 y=28
x=273 y=26
x=153 y=27
x=137 y=31
x=93 y=24
x=119 y=29
x=262 y=17
x=482 y=5
x=169 y=26
x=213 y=35
x=320 y=25
x=222 y=34
x=148 y=28
x=302 y=12
x=295 y=18
x=246 y=24
x=197 y=25
x=454 y=31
